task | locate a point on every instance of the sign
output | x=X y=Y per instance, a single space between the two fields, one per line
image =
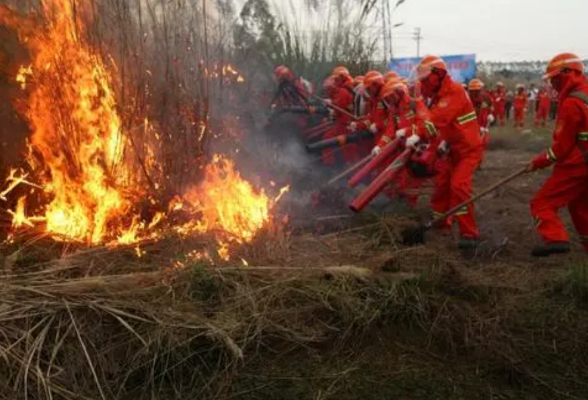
x=462 y=68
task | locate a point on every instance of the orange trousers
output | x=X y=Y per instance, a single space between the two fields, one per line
x=519 y=116
x=566 y=187
x=453 y=186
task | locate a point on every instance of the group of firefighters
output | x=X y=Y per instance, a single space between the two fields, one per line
x=445 y=128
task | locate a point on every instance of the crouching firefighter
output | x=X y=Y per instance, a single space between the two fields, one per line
x=568 y=184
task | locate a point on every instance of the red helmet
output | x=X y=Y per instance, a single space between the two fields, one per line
x=394 y=86
x=475 y=84
x=390 y=75
x=340 y=71
x=373 y=78
x=283 y=73
x=562 y=62
x=429 y=64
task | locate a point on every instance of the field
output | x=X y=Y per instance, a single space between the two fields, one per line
x=334 y=309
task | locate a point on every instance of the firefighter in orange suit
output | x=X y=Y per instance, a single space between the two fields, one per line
x=520 y=106
x=376 y=117
x=482 y=102
x=499 y=103
x=544 y=105
x=568 y=184
x=451 y=124
x=402 y=123
x=292 y=90
x=342 y=99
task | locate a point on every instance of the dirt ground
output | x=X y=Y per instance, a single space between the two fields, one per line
x=499 y=285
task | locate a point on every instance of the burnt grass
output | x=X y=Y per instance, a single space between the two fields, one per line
x=338 y=309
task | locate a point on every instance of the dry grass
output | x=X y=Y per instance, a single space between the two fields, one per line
x=100 y=323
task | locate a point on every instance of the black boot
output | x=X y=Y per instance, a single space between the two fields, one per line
x=468 y=243
x=551 y=248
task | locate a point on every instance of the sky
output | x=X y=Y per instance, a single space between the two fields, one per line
x=495 y=30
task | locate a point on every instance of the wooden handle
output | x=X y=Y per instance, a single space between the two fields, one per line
x=477 y=197
x=334 y=107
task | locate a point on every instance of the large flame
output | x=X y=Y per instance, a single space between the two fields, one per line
x=82 y=162
x=77 y=133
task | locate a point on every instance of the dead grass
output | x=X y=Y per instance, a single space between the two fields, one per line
x=99 y=323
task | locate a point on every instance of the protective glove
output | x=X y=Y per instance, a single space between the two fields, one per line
x=484 y=131
x=401 y=134
x=443 y=147
x=328 y=102
x=542 y=161
x=491 y=119
x=412 y=141
x=332 y=113
x=374 y=128
x=352 y=127
x=376 y=150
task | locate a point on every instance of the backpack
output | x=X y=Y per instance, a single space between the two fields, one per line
x=583 y=97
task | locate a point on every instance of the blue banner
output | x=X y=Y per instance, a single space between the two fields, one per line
x=462 y=67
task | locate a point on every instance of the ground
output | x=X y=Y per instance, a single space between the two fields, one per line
x=499 y=289
x=337 y=309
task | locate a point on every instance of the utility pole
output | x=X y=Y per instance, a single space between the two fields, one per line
x=384 y=6
x=418 y=38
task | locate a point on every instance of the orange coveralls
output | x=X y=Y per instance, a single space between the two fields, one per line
x=568 y=183
x=452 y=118
x=520 y=105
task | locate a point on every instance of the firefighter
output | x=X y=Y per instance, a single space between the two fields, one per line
x=499 y=103
x=452 y=127
x=402 y=123
x=388 y=76
x=292 y=90
x=376 y=116
x=543 y=108
x=482 y=102
x=568 y=183
x=520 y=104
x=342 y=99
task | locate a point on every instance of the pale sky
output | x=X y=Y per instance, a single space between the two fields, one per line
x=497 y=30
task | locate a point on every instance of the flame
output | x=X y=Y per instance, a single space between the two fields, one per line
x=77 y=133
x=229 y=205
x=23 y=74
x=19 y=218
x=80 y=155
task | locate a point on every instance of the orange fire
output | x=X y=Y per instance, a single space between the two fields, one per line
x=82 y=160
x=229 y=205
x=77 y=137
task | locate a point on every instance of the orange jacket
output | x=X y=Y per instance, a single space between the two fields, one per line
x=343 y=99
x=544 y=101
x=483 y=107
x=570 y=138
x=452 y=118
x=402 y=117
x=499 y=99
x=376 y=113
x=520 y=101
